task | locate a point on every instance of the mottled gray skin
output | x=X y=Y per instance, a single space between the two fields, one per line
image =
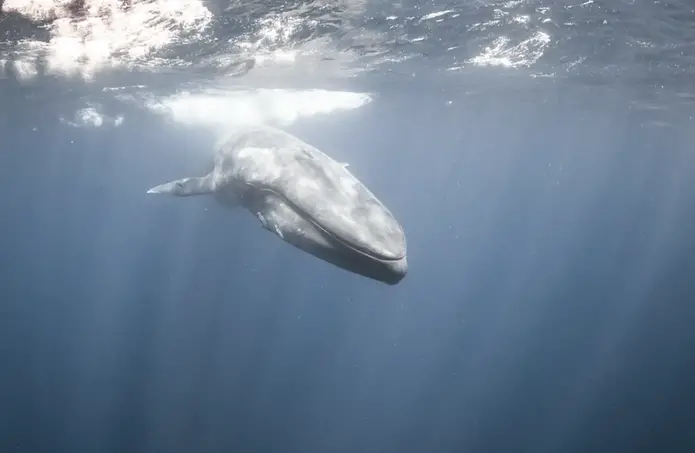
x=306 y=198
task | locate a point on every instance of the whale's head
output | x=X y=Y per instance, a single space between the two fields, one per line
x=295 y=226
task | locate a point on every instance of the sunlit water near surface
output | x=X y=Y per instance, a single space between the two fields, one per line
x=540 y=156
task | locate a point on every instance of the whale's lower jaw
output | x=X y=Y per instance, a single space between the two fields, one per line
x=389 y=272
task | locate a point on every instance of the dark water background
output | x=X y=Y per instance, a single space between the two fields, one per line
x=549 y=210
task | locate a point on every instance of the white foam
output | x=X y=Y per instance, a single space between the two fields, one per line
x=92 y=117
x=436 y=15
x=503 y=53
x=107 y=35
x=220 y=109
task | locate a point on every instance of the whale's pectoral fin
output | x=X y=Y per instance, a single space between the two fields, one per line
x=262 y=219
x=268 y=225
x=185 y=187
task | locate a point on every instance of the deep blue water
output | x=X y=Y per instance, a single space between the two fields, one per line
x=548 y=306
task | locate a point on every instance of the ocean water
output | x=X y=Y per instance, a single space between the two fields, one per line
x=539 y=154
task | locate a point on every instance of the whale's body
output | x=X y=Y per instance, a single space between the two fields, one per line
x=306 y=198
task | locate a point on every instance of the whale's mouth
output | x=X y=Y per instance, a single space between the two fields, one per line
x=347 y=245
x=329 y=234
